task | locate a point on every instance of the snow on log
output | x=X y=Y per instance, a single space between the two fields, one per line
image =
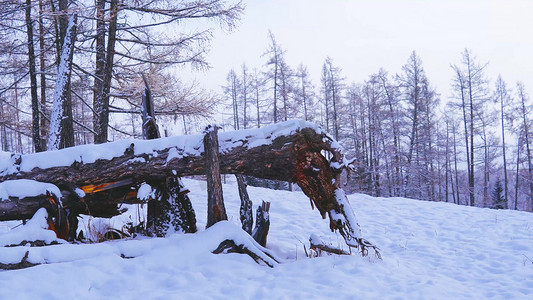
x=34 y=232
x=270 y=152
x=20 y=199
x=291 y=151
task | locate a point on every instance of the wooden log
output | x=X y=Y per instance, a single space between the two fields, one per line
x=262 y=224
x=274 y=159
x=245 y=211
x=215 y=201
x=20 y=209
x=15 y=208
x=289 y=151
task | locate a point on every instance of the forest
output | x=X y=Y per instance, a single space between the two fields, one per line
x=72 y=73
x=406 y=141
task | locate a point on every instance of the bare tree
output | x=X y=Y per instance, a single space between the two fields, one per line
x=471 y=85
x=332 y=83
x=420 y=100
x=305 y=93
x=231 y=90
x=275 y=57
x=525 y=109
x=502 y=95
x=141 y=42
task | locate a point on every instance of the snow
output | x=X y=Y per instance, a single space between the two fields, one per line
x=5 y=160
x=22 y=188
x=430 y=251
x=145 y=192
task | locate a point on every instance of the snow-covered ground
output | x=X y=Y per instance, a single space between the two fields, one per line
x=430 y=251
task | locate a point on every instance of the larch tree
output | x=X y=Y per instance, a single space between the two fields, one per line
x=524 y=110
x=231 y=90
x=275 y=58
x=305 y=93
x=420 y=102
x=333 y=85
x=393 y=119
x=502 y=96
x=471 y=86
x=124 y=32
x=245 y=81
x=258 y=91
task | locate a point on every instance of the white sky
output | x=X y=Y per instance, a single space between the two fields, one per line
x=362 y=36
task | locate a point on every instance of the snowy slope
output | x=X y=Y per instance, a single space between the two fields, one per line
x=430 y=251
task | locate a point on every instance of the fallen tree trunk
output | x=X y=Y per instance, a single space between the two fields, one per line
x=291 y=151
x=268 y=154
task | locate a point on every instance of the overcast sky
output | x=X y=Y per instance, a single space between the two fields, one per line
x=363 y=36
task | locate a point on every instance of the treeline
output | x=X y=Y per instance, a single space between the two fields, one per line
x=114 y=43
x=474 y=149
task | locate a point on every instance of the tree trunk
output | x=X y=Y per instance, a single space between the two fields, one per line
x=36 y=137
x=99 y=60
x=62 y=86
x=42 y=65
x=101 y=106
x=517 y=173
x=504 y=152
x=215 y=202
x=67 y=127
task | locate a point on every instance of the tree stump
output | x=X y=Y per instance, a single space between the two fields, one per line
x=262 y=224
x=215 y=202
x=246 y=205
